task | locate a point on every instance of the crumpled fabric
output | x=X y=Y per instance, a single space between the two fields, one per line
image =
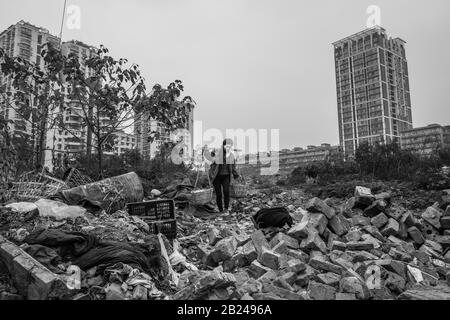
x=68 y=243
x=86 y=251
x=202 y=211
x=272 y=217
x=45 y=255
x=110 y=253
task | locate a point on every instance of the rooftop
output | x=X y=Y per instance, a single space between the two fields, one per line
x=367 y=31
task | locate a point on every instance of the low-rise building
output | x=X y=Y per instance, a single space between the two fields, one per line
x=298 y=157
x=123 y=142
x=425 y=140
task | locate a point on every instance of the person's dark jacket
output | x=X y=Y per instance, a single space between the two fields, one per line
x=215 y=165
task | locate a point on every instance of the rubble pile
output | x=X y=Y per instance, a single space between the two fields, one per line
x=51 y=250
x=369 y=246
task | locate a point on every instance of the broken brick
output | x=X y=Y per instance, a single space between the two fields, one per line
x=360 y=245
x=355 y=286
x=391 y=228
x=224 y=249
x=375 y=208
x=416 y=235
x=313 y=242
x=432 y=216
x=317 y=205
x=329 y=278
x=320 y=291
x=270 y=259
x=363 y=196
x=290 y=242
x=339 y=224
x=379 y=220
x=321 y=264
x=299 y=231
x=445 y=222
x=337 y=245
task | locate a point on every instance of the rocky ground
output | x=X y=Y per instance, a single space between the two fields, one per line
x=384 y=243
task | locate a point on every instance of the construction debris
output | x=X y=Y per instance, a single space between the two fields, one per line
x=275 y=244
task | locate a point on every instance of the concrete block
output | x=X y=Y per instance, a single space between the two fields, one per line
x=319 y=206
x=376 y=208
x=299 y=231
x=270 y=259
x=432 y=216
x=329 y=278
x=360 y=245
x=290 y=242
x=320 y=291
x=391 y=228
x=323 y=265
x=339 y=225
x=416 y=235
x=313 y=242
x=379 y=220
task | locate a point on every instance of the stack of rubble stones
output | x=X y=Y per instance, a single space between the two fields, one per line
x=363 y=249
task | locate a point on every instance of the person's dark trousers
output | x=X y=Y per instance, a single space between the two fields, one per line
x=219 y=183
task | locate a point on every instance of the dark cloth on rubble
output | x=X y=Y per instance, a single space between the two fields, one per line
x=179 y=192
x=86 y=251
x=272 y=217
x=45 y=255
x=202 y=211
x=219 y=161
x=110 y=253
x=69 y=243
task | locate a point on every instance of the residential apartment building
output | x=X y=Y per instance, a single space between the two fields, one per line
x=72 y=141
x=299 y=157
x=425 y=140
x=372 y=84
x=144 y=125
x=26 y=41
x=124 y=141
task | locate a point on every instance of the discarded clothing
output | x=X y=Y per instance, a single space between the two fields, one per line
x=179 y=192
x=110 y=253
x=202 y=211
x=67 y=243
x=45 y=255
x=86 y=251
x=272 y=217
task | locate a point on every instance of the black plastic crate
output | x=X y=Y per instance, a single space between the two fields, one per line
x=153 y=210
x=166 y=227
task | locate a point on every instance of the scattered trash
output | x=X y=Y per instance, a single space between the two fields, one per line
x=101 y=241
x=58 y=210
x=112 y=193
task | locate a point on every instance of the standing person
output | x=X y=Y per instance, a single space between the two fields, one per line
x=221 y=169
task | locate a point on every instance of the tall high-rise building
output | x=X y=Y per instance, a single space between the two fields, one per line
x=26 y=41
x=372 y=84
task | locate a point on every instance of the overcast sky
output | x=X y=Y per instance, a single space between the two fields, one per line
x=259 y=64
